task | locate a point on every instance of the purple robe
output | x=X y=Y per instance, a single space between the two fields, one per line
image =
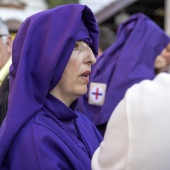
x=128 y=61
x=54 y=139
x=39 y=131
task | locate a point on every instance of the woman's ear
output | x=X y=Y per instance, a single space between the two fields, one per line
x=9 y=44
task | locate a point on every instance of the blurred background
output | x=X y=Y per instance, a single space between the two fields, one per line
x=108 y=13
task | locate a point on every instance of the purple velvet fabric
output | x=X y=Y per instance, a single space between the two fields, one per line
x=54 y=139
x=41 y=50
x=83 y=34
x=128 y=61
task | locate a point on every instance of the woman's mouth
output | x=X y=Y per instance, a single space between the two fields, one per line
x=85 y=76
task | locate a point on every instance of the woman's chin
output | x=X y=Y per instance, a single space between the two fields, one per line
x=82 y=91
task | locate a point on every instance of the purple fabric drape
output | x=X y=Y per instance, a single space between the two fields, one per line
x=128 y=61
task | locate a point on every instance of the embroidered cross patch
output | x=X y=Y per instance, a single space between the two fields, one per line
x=97 y=93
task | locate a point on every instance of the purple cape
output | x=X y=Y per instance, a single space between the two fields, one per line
x=41 y=50
x=128 y=61
x=56 y=137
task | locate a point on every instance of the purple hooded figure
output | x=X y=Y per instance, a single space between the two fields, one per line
x=128 y=61
x=52 y=57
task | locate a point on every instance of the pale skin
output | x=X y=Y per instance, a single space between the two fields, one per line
x=76 y=74
x=162 y=62
x=5 y=50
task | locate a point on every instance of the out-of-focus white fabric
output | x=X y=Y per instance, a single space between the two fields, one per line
x=138 y=132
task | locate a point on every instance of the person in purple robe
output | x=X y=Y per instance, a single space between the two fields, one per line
x=53 y=53
x=129 y=60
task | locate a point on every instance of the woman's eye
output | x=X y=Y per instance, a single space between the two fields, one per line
x=89 y=45
x=76 y=46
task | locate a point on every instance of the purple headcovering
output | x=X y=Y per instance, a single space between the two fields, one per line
x=128 y=61
x=83 y=34
x=41 y=50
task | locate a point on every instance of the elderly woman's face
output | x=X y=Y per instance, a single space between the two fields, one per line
x=76 y=74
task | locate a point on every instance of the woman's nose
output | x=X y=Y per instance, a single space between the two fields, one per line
x=92 y=58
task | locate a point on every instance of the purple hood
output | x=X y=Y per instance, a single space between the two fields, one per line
x=41 y=50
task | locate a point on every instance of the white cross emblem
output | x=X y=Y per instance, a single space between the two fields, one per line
x=97 y=93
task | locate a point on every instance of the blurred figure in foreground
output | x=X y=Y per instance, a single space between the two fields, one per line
x=137 y=134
